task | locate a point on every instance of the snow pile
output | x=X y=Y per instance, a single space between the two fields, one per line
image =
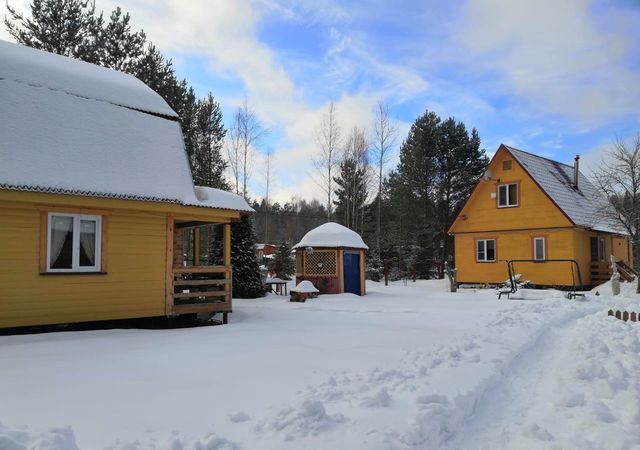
x=307 y=419
x=38 y=68
x=305 y=287
x=331 y=234
x=27 y=439
x=177 y=441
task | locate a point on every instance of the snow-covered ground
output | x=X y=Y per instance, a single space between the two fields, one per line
x=404 y=367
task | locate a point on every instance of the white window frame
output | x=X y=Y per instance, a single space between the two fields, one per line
x=484 y=244
x=508 y=196
x=544 y=248
x=75 y=259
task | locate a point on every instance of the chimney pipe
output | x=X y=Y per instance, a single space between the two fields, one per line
x=576 y=170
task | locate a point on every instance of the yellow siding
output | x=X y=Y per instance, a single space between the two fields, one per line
x=535 y=209
x=516 y=245
x=133 y=287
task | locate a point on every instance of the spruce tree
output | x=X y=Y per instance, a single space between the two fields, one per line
x=247 y=282
x=284 y=266
x=208 y=163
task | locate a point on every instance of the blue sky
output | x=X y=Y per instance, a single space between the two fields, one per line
x=552 y=77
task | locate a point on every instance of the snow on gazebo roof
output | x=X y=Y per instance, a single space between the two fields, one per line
x=70 y=127
x=331 y=234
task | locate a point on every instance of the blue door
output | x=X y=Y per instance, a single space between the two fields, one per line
x=352 y=273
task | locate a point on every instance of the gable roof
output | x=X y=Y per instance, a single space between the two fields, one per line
x=583 y=205
x=72 y=127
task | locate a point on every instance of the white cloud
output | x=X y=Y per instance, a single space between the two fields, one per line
x=560 y=56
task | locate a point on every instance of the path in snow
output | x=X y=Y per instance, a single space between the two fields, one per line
x=575 y=386
x=503 y=409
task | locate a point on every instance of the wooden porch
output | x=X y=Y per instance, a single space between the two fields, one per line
x=197 y=283
x=601 y=272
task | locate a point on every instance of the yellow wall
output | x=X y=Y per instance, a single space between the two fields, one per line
x=535 y=209
x=136 y=255
x=515 y=245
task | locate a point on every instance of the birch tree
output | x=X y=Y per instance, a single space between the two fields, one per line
x=246 y=133
x=325 y=160
x=618 y=177
x=385 y=133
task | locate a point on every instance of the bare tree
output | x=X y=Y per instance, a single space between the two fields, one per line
x=352 y=182
x=618 y=176
x=385 y=133
x=246 y=132
x=268 y=162
x=328 y=138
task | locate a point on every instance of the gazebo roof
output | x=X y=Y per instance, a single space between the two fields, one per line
x=331 y=234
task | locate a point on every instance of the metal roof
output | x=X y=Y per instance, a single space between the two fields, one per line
x=584 y=205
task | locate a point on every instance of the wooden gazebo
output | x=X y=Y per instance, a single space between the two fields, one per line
x=332 y=257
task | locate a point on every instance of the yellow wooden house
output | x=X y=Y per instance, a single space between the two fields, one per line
x=544 y=216
x=99 y=217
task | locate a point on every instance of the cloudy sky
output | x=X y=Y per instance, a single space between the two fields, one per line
x=555 y=77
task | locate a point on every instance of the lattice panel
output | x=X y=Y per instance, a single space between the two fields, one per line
x=321 y=262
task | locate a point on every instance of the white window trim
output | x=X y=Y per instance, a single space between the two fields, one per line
x=484 y=241
x=75 y=259
x=508 y=205
x=544 y=249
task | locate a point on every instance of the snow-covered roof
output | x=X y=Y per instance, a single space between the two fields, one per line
x=71 y=127
x=583 y=205
x=38 y=68
x=331 y=234
x=217 y=198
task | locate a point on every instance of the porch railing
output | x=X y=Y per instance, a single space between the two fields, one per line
x=201 y=289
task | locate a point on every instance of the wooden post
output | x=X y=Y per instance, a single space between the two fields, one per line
x=386 y=273
x=226 y=260
x=363 y=278
x=226 y=234
x=169 y=268
x=196 y=246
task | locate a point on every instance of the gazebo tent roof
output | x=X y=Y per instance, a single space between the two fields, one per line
x=331 y=234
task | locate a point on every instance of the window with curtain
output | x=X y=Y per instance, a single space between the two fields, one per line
x=73 y=243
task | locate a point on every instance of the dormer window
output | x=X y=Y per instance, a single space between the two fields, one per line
x=507 y=195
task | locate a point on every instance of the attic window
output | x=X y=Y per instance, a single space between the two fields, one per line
x=507 y=164
x=507 y=195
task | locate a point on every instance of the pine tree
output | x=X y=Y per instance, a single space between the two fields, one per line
x=350 y=193
x=208 y=163
x=247 y=282
x=65 y=27
x=121 y=47
x=284 y=266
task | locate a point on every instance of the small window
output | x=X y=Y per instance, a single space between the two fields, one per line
x=539 y=251
x=603 y=250
x=506 y=164
x=486 y=250
x=507 y=195
x=73 y=243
